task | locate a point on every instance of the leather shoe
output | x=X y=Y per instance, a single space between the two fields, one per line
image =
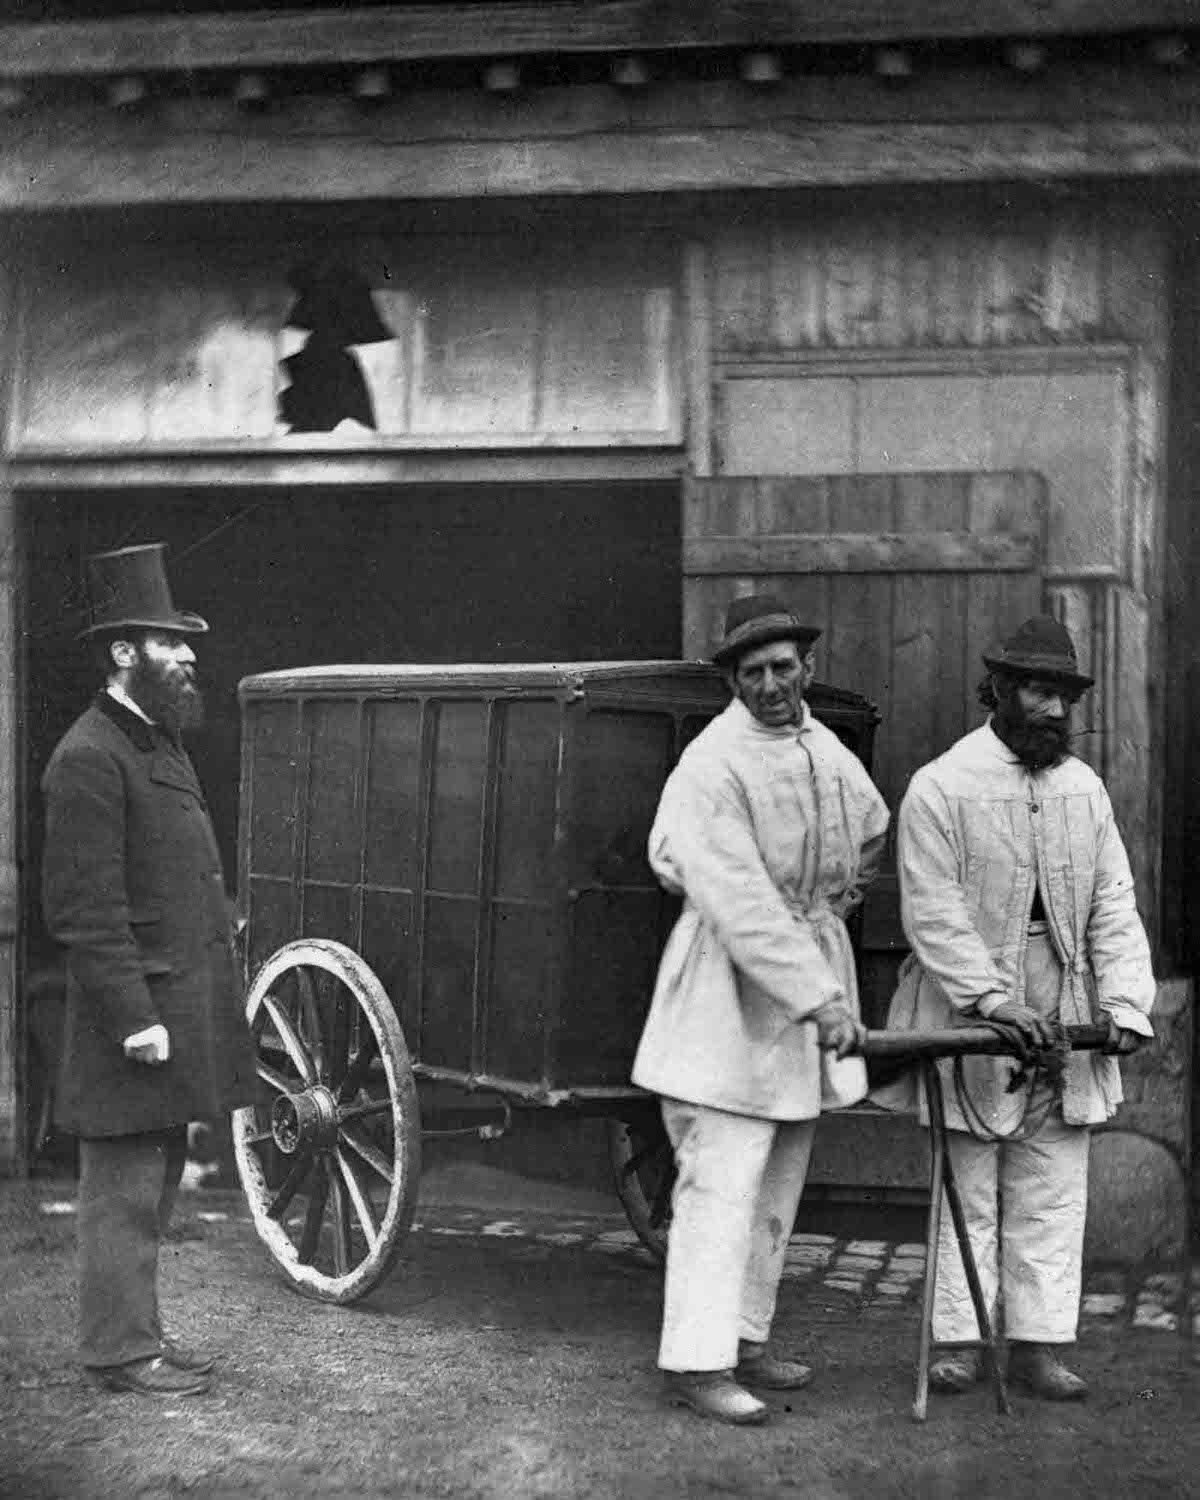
x=715 y=1394
x=151 y=1377
x=758 y=1368
x=194 y=1361
x=1036 y=1368
x=955 y=1371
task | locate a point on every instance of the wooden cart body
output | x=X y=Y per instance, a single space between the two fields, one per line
x=478 y=835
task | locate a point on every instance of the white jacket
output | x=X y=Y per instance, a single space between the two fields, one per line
x=978 y=833
x=762 y=831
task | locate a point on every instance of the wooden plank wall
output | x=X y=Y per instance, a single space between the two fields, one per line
x=936 y=270
x=838 y=278
x=12 y=1031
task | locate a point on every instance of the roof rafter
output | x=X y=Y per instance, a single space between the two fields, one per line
x=315 y=38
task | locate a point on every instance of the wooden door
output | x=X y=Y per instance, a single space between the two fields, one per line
x=909 y=576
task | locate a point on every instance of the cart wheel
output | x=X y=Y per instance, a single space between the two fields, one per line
x=644 y=1168
x=330 y=1157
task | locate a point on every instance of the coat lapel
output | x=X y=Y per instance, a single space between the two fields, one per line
x=170 y=764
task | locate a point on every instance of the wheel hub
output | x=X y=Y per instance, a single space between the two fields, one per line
x=305 y=1122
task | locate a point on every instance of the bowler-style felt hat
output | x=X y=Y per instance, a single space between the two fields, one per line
x=1041 y=648
x=129 y=590
x=756 y=620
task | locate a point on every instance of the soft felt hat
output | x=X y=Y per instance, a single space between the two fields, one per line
x=1041 y=647
x=756 y=620
x=129 y=590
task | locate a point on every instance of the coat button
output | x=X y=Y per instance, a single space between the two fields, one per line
x=1033 y=807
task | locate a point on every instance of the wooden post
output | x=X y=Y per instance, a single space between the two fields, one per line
x=12 y=1031
x=697 y=356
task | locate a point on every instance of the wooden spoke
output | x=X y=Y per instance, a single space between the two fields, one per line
x=341 y=1225
x=660 y=1208
x=367 y=1110
x=359 y=1069
x=642 y=1158
x=310 y=1236
x=317 y=1010
x=301 y=1061
x=359 y=1200
x=339 y=1041
x=273 y=1079
x=371 y=1154
x=308 y=1017
x=289 y=1187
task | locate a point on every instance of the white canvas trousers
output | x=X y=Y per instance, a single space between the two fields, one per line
x=1025 y=1203
x=736 y=1194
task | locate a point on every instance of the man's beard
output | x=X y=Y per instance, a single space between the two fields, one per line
x=170 y=699
x=1037 y=743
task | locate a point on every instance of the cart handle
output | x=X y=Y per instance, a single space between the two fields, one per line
x=956 y=1041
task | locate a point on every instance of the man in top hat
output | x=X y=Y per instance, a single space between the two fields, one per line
x=155 y=1035
x=1018 y=902
x=769 y=829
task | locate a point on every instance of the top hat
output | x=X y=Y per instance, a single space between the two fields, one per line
x=1040 y=648
x=757 y=619
x=129 y=590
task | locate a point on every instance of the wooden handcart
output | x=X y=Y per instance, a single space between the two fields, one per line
x=443 y=880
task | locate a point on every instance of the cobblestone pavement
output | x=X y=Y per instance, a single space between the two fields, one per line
x=857 y=1274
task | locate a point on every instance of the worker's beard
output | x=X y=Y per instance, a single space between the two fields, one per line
x=1037 y=743
x=167 y=694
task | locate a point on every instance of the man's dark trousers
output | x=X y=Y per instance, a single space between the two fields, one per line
x=127 y=1190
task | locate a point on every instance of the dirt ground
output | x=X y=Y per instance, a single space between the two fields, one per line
x=500 y=1368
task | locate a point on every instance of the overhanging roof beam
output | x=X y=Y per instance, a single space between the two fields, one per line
x=380 y=34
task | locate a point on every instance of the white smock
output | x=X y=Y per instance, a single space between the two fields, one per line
x=770 y=836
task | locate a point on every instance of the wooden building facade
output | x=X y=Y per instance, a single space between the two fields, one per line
x=676 y=301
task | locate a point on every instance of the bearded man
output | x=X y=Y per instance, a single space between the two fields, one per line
x=1018 y=903
x=155 y=1035
x=770 y=829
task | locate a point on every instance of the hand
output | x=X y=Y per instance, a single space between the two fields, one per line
x=1034 y=1030
x=152 y=1045
x=1122 y=1042
x=837 y=1030
x=847 y=903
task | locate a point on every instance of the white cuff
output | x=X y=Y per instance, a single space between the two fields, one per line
x=1128 y=1017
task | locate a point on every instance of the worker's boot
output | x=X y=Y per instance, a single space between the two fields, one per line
x=1036 y=1368
x=757 y=1367
x=715 y=1394
x=955 y=1368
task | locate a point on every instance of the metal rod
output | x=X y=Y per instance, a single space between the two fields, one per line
x=937 y=1142
x=937 y=1124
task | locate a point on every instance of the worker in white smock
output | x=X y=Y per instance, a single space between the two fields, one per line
x=1017 y=899
x=769 y=828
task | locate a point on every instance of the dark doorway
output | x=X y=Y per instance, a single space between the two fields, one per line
x=431 y=573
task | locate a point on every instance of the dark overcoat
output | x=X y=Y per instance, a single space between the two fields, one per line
x=132 y=886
